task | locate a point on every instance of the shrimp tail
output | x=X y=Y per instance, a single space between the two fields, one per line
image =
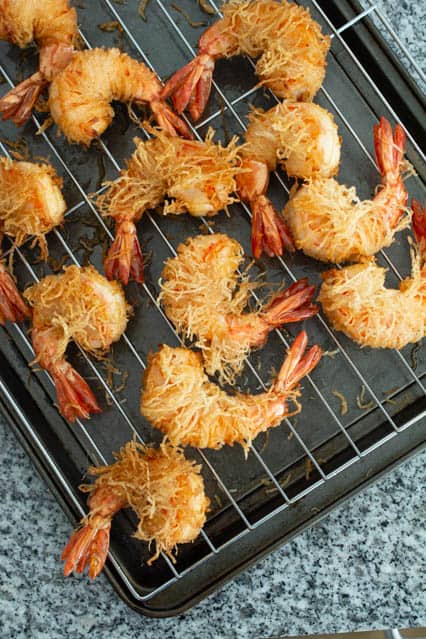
x=17 y=105
x=169 y=121
x=419 y=225
x=124 y=260
x=75 y=399
x=296 y=364
x=291 y=305
x=191 y=85
x=389 y=149
x=270 y=233
x=88 y=546
x=12 y=306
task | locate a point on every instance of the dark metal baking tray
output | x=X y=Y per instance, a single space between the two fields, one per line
x=309 y=464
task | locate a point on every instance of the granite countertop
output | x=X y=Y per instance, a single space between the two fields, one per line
x=361 y=567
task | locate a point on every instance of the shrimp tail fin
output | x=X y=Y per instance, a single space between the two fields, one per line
x=75 y=399
x=270 y=233
x=191 y=85
x=292 y=305
x=124 y=260
x=419 y=225
x=297 y=364
x=389 y=148
x=88 y=546
x=17 y=105
x=12 y=306
x=169 y=121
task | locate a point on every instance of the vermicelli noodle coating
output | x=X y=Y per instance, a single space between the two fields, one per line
x=303 y=139
x=356 y=301
x=197 y=177
x=288 y=43
x=52 y=25
x=31 y=202
x=205 y=298
x=178 y=398
x=81 y=305
x=330 y=223
x=80 y=97
x=165 y=490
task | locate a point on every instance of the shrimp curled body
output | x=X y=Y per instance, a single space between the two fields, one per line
x=80 y=305
x=329 y=222
x=178 y=398
x=303 y=139
x=288 y=43
x=80 y=97
x=165 y=490
x=52 y=25
x=205 y=298
x=31 y=202
x=197 y=176
x=357 y=303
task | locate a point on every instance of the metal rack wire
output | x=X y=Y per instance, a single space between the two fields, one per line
x=95 y=451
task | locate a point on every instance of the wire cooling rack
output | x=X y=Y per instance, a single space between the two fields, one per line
x=360 y=405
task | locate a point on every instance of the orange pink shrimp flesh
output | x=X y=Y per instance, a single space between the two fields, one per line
x=357 y=302
x=12 y=306
x=165 y=490
x=288 y=43
x=330 y=223
x=179 y=399
x=206 y=297
x=52 y=25
x=80 y=96
x=81 y=305
x=197 y=177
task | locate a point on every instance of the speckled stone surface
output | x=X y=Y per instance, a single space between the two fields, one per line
x=362 y=567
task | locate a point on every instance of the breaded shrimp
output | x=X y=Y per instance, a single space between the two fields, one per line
x=165 y=490
x=81 y=305
x=52 y=25
x=357 y=303
x=329 y=222
x=300 y=136
x=288 y=42
x=195 y=177
x=12 y=306
x=80 y=97
x=178 y=398
x=205 y=297
x=31 y=202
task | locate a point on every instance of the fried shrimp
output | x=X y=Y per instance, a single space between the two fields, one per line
x=204 y=297
x=300 y=136
x=288 y=43
x=329 y=222
x=357 y=303
x=80 y=97
x=198 y=177
x=81 y=305
x=12 y=306
x=31 y=202
x=52 y=25
x=165 y=490
x=178 y=398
